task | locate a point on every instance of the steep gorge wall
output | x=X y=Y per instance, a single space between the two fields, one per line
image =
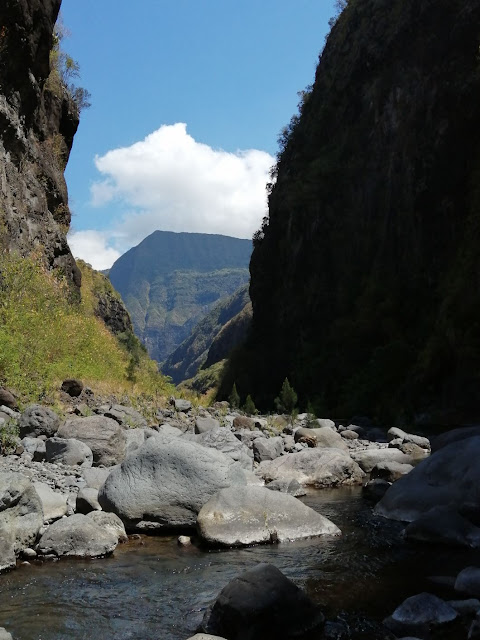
x=365 y=281
x=38 y=120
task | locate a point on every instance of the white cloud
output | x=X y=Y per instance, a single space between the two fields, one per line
x=92 y=246
x=171 y=182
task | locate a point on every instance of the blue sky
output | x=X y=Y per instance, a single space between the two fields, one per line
x=188 y=99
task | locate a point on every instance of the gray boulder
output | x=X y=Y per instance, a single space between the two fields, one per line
x=390 y=471
x=444 y=525
x=292 y=487
x=326 y=467
x=77 y=535
x=418 y=614
x=455 y=435
x=128 y=417
x=182 y=405
x=87 y=501
x=54 y=504
x=420 y=441
x=206 y=424
x=348 y=434
x=201 y=636
x=263 y=604
x=368 y=458
x=166 y=484
x=38 y=421
x=96 y=476
x=223 y=440
x=240 y=516
x=267 y=448
x=168 y=431
x=4 y=634
x=105 y=437
x=134 y=438
x=21 y=513
x=451 y=476
x=35 y=447
x=68 y=451
x=8 y=559
x=109 y=522
x=327 y=437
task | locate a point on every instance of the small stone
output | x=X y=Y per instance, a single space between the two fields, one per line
x=184 y=541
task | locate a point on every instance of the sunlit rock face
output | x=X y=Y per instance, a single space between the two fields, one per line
x=38 y=120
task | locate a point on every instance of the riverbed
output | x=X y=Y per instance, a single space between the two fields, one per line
x=152 y=589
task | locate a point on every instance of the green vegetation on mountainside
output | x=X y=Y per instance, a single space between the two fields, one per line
x=47 y=335
x=191 y=355
x=170 y=281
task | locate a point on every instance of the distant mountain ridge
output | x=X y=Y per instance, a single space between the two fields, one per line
x=170 y=281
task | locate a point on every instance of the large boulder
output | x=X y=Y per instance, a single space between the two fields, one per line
x=165 y=484
x=77 y=535
x=263 y=604
x=96 y=476
x=222 y=439
x=203 y=424
x=444 y=525
x=455 y=435
x=54 y=504
x=324 y=437
x=109 y=522
x=390 y=471
x=369 y=458
x=105 y=437
x=38 y=421
x=419 y=614
x=267 y=448
x=400 y=434
x=21 y=512
x=250 y=515
x=68 y=451
x=451 y=476
x=128 y=417
x=323 y=467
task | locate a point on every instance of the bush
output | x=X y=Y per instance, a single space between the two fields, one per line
x=234 y=398
x=249 y=406
x=287 y=400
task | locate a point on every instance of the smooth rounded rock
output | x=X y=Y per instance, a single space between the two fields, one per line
x=109 y=522
x=267 y=448
x=79 y=536
x=240 y=516
x=21 y=512
x=468 y=581
x=444 y=525
x=420 y=612
x=206 y=424
x=105 y=437
x=37 y=420
x=68 y=451
x=369 y=458
x=54 y=504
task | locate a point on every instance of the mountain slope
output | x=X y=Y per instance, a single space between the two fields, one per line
x=185 y=361
x=364 y=279
x=171 y=280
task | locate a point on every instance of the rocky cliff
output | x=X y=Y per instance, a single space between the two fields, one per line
x=364 y=278
x=38 y=120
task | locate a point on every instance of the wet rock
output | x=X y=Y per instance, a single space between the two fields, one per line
x=54 y=504
x=166 y=484
x=292 y=487
x=105 y=437
x=241 y=516
x=368 y=458
x=87 y=501
x=77 y=535
x=444 y=525
x=206 y=424
x=262 y=604
x=68 y=451
x=390 y=471
x=38 y=421
x=418 y=614
x=375 y=489
x=109 y=522
x=267 y=448
x=450 y=476
x=72 y=387
x=468 y=581
x=328 y=467
x=21 y=513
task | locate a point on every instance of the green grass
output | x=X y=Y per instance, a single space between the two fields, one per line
x=46 y=336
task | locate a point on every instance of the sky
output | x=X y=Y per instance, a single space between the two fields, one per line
x=188 y=99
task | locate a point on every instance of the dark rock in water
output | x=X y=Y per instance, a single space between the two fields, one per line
x=455 y=435
x=375 y=489
x=72 y=387
x=468 y=581
x=38 y=421
x=451 y=476
x=444 y=525
x=418 y=614
x=263 y=604
x=390 y=471
x=7 y=399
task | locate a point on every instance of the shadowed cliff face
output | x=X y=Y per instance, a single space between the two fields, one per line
x=38 y=120
x=364 y=283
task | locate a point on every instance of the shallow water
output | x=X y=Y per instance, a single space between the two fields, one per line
x=152 y=589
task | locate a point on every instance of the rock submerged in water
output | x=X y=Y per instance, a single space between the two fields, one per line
x=418 y=614
x=240 y=516
x=165 y=484
x=263 y=604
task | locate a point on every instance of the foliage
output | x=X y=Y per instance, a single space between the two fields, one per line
x=64 y=71
x=234 y=398
x=46 y=337
x=287 y=400
x=249 y=406
x=9 y=433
